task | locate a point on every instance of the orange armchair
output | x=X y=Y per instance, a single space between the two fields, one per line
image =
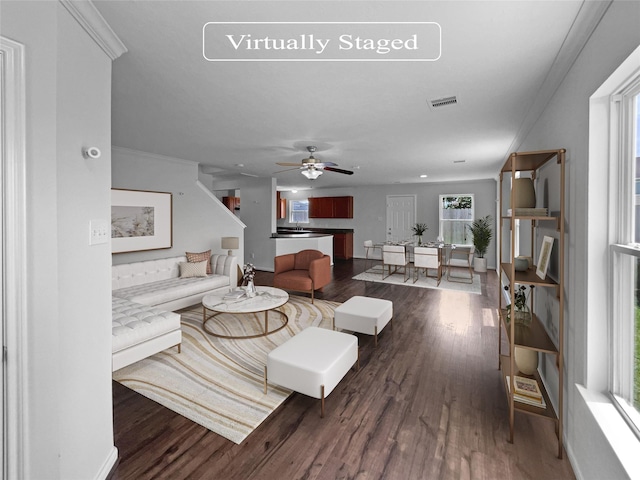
x=305 y=271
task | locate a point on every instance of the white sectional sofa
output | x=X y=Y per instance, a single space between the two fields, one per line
x=144 y=297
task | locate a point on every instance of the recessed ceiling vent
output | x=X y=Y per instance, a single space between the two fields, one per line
x=443 y=102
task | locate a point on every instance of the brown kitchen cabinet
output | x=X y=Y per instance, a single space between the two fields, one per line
x=343 y=207
x=281 y=206
x=343 y=246
x=320 y=207
x=331 y=207
x=232 y=203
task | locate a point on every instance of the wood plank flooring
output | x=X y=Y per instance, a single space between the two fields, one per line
x=427 y=403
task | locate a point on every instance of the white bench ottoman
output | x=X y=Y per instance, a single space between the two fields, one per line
x=312 y=362
x=139 y=331
x=364 y=315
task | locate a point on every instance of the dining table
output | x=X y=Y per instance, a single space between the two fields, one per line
x=444 y=248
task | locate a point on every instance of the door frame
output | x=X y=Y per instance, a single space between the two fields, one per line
x=13 y=233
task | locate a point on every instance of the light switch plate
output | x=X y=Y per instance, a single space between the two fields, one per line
x=98 y=232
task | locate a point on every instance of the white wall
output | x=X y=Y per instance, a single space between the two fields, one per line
x=68 y=410
x=370 y=209
x=199 y=219
x=257 y=212
x=565 y=124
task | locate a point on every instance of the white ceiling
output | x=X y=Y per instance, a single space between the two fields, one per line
x=502 y=59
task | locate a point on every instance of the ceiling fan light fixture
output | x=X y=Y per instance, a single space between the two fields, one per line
x=311 y=173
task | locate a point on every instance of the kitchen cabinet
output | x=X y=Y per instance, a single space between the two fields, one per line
x=281 y=206
x=343 y=245
x=343 y=207
x=232 y=203
x=331 y=207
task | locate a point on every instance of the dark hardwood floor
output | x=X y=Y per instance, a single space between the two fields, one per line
x=427 y=403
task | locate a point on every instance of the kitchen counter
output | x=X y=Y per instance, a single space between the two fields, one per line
x=330 y=231
x=299 y=235
x=295 y=242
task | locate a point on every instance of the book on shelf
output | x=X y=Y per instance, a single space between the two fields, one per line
x=525 y=399
x=527 y=387
x=530 y=212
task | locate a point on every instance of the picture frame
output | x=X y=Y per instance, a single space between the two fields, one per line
x=544 y=257
x=141 y=220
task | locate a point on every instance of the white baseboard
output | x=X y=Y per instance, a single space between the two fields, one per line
x=108 y=464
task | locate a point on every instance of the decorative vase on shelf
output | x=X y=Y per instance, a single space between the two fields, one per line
x=521 y=264
x=523 y=316
x=524 y=195
x=526 y=360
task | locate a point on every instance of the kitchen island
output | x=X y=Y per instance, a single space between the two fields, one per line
x=295 y=242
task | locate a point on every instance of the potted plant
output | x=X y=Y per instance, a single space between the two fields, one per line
x=482 y=233
x=418 y=231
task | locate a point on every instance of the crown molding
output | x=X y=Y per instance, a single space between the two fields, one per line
x=89 y=18
x=587 y=20
x=152 y=156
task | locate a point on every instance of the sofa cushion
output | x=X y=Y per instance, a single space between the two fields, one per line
x=200 y=257
x=156 y=293
x=137 y=273
x=193 y=269
x=134 y=323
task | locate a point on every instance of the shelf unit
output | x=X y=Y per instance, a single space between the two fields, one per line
x=533 y=337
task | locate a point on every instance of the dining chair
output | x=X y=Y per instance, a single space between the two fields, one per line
x=428 y=258
x=461 y=257
x=369 y=253
x=394 y=256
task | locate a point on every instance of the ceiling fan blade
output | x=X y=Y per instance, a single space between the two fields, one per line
x=289 y=164
x=339 y=170
x=287 y=170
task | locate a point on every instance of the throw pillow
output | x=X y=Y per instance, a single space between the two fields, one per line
x=193 y=269
x=200 y=257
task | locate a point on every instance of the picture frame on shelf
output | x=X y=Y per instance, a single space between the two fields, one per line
x=141 y=220
x=544 y=257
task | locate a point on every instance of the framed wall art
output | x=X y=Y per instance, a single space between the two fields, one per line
x=140 y=220
x=544 y=257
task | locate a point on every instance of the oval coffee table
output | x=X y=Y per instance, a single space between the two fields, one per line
x=266 y=299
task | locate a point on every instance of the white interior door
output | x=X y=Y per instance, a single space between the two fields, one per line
x=401 y=216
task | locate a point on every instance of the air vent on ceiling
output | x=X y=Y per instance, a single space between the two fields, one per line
x=443 y=102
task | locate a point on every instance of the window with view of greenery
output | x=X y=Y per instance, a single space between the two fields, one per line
x=625 y=258
x=299 y=211
x=456 y=216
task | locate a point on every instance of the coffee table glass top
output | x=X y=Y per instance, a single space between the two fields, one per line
x=266 y=298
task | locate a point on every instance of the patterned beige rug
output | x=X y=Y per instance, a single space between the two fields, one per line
x=375 y=275
x=219 y=383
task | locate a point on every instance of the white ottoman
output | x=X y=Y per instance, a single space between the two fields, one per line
x=312 y=362
x=364 y=315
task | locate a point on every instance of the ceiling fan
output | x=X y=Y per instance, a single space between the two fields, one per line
x=312 y=168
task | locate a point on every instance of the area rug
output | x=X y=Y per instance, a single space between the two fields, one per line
x=219 y=383
x=375 y=275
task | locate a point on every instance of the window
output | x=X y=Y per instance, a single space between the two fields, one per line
x=299 y=211
x=456 y=214
x=625 y=256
